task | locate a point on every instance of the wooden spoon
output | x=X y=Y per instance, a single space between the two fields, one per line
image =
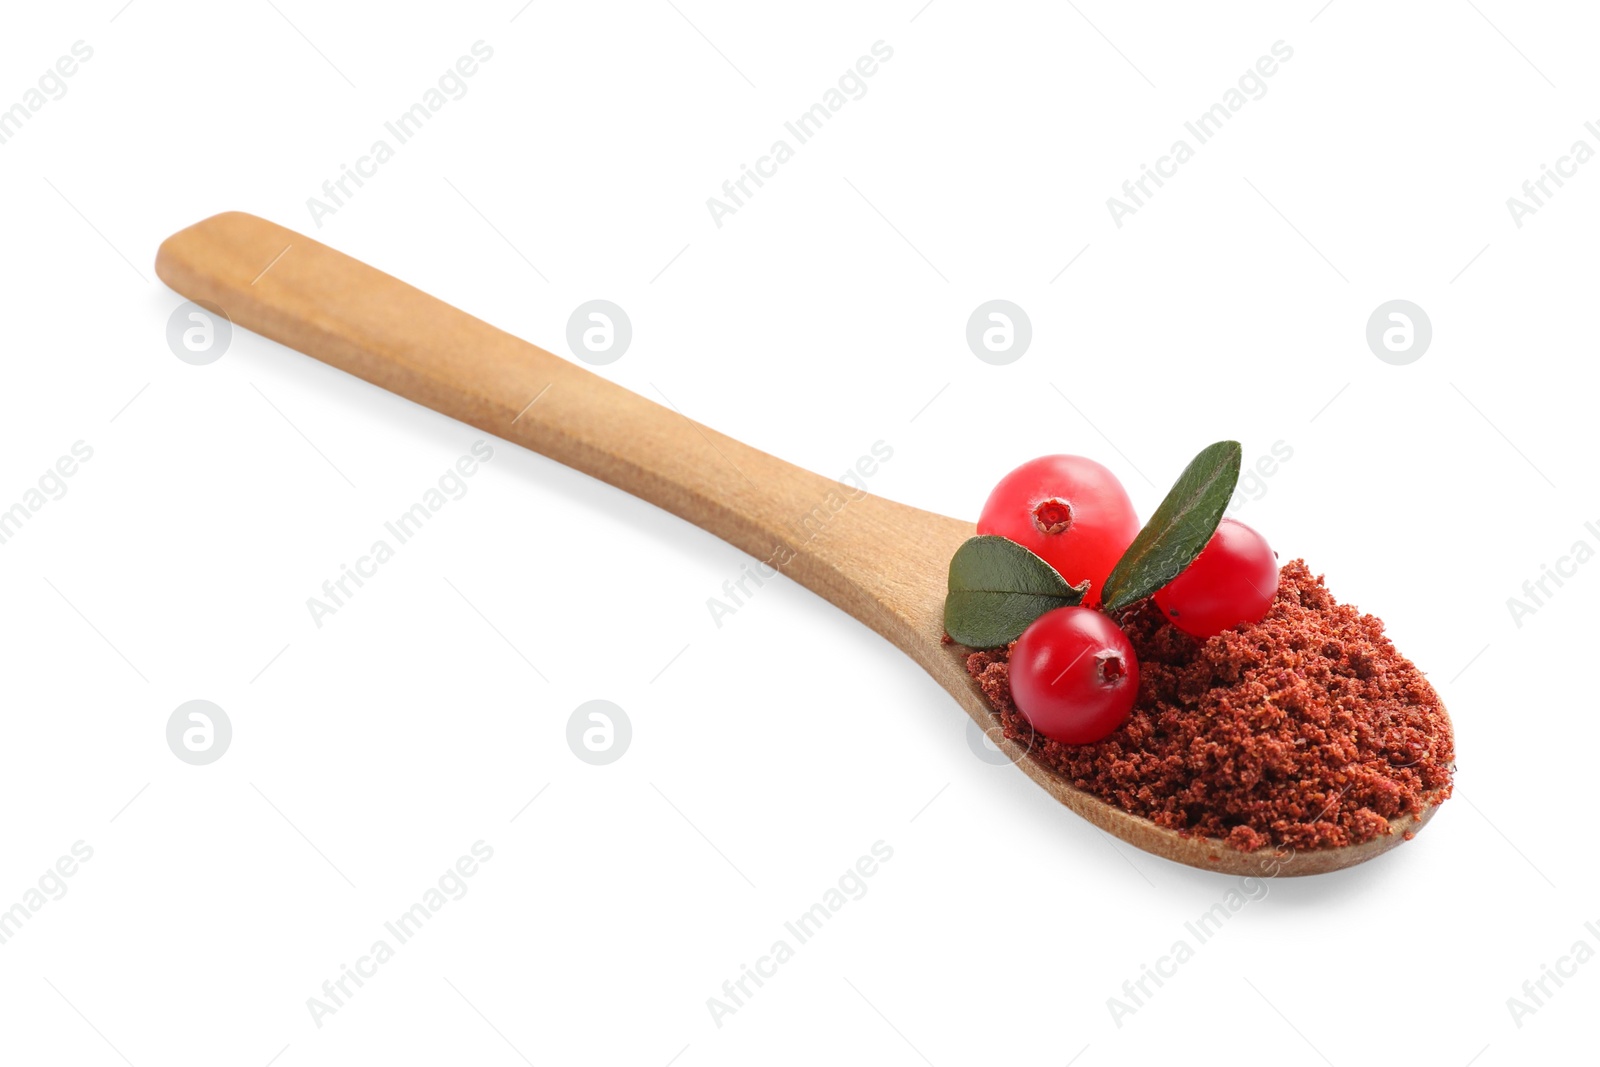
x=884 y=563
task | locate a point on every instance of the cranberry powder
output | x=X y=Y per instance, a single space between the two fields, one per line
x=1306 y=729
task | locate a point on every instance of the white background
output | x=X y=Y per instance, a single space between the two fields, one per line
x=827 y=314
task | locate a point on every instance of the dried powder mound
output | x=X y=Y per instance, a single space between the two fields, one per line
x=1305 y=730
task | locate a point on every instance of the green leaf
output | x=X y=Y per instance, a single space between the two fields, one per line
x=1178 y=530
x=997 y=588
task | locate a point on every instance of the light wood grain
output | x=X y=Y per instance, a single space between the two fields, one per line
x=884 y=563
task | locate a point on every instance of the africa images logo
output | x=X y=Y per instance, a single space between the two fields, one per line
x=805 y=126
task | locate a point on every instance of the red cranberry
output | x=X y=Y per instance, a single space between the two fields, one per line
x=1232 y=581
x=1074 y=676
x=1069 y=511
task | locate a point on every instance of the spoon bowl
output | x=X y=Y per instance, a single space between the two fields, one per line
x=882 y=562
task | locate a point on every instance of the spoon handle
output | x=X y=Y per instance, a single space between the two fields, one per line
x=332 y=307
